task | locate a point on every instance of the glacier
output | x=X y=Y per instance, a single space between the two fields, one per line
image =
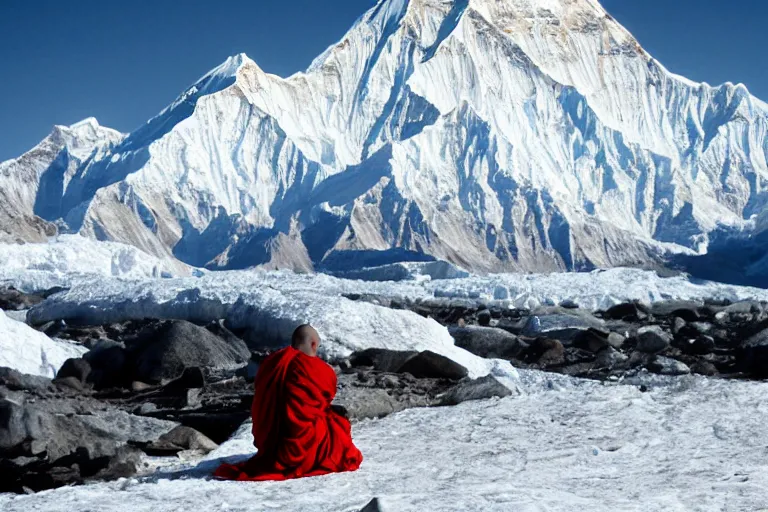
x=523 y=135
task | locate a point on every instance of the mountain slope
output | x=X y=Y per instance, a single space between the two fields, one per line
x=31 y=185
x=500 y=135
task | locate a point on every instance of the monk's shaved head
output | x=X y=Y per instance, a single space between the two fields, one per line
x=306 y=339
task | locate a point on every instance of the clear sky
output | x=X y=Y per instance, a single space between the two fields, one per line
x=123 y=61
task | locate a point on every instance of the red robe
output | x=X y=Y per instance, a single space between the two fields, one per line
x=294 y=429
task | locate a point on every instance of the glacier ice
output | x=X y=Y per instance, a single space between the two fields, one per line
x=31 y=352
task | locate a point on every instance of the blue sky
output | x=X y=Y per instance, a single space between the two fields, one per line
x=122 y=61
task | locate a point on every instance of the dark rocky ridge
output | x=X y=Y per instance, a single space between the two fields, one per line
x=712 y=338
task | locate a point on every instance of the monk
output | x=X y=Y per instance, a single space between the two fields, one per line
x=295 y=429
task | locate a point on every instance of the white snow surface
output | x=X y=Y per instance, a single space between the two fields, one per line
x=693 y=445
x=67 y=256
x=29 y=351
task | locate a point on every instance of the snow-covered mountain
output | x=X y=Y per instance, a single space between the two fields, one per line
x=31 y=186
x=497 y=134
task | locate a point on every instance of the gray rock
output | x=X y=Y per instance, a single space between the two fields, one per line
x=595 y=340
x=180 y=439
x=744 y=307
x=668 y=366
x=362 y=403
x=678 y=325
x=16 y=381
x=609 y=357
x=685 y=309
x=475 y=389
x=652 y=339
x=484 y=317
x=165 y=349
x=109 y=365
x=700 y=345
x=78 y=369
x=489 y=342
x=630 y=311
x=545 y=352
x=428 y=364
x=380 y=359
x=754 y=354
x=569 y=304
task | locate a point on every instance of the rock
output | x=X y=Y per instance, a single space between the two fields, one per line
x=79 y=369
x=489 y=342
x=652 y=339
x=17 y=381
x=685 y=309
x=145 y=409
x=513 y=326
x=701 y=327
x=380 y=359
x=475 y=389
x=387 y=381
x=484 y=317
x=629 y=311
x=428 y=364
x=667 y=366
x=109 y=365
x=609 y=357
x=180 y=439
x=678 y=325
x=14 y=300
x=123 y=464
x=362 y=403
x=753 y=355
x=163 y=350
x=700 y=345
x=545 y=352
x=702 y=367
x=594 y=340
x=569 y=304
x=375 y=505
x=561 y=324
x=68 y=440
x=747 y=307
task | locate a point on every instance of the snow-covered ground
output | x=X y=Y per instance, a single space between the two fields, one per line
x=28 y=351
x=695 y=445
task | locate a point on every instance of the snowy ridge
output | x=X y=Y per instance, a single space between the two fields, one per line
x=499 y=136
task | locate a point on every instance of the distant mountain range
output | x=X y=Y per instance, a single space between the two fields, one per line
x=500 y=135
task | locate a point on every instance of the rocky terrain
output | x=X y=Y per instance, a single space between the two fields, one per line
x=714 y=338
x=148 y=388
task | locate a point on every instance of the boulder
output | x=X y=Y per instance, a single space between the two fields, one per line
x=594 y=340
x=14 y=300
x=428 y=364
x=383 y=360
x=700 y=345
x=545 y=352
x=668 y=366
x=489 y=342
x=109 y=365
x=652 y=339
x=17 y=381
x=78 y=369
x=678 y=324
x=475 y=389
x=62 y=441
x=484 y=317
x=180 y=439
x=628 y=311
x=561 y=324
x=609 y=357
x=754 y=355
x=686 y=309
x=163 y=350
